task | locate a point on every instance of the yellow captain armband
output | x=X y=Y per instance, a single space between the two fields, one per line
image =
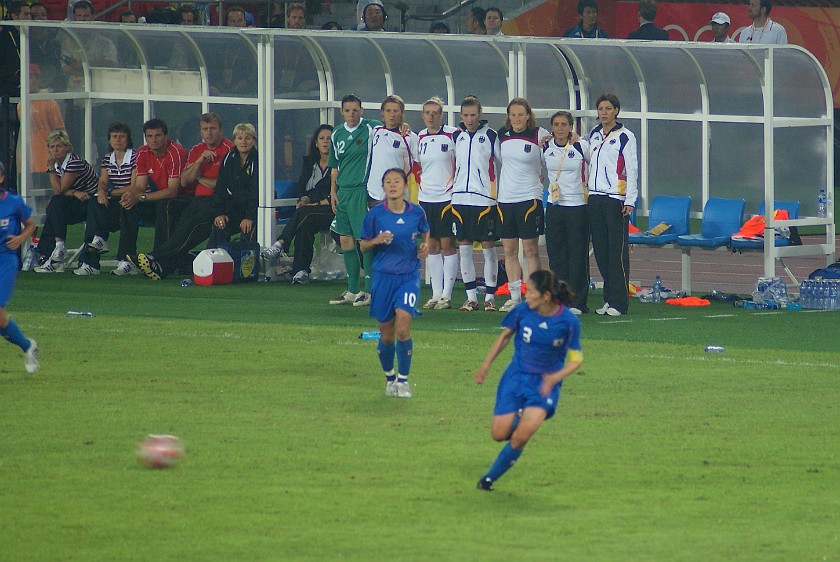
x=575 y=355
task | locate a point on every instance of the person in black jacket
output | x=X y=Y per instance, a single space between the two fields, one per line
x=647 y=30
x=313 y=213
x=236 y=196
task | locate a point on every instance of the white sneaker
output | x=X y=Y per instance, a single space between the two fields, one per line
x=443 y=303
x=345 y=298
x=431 y=303
x=575 y=311
x=390 y=388
x=362 y=300
x=613 y=312
x=99 y=244
x=50 y=266
x=30 y=358
x=58 y=254
x=301 y=277
x=603 y=309
x=509 y=305
x=125 y=268
x=403 y=389
x=86 y=269
x=273 y=251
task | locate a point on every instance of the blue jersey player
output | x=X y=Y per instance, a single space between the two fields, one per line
x=390 y=230
x=16 y=225
x=546 y=351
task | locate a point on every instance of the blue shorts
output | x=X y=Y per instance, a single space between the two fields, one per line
x=520 y=390
x=8 y=274
x=390 y=292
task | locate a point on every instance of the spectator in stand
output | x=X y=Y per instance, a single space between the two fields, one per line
x=10 y=50
x=587 y=27
x=233 y=75
x=45 y=50
x=117 y=174
x=193 y=225
x=128 y=17
x=763 y=29
x=45 y=116
x=99 y=50
x=647 y=30
x=313 y=213
x=438 y=27
x=332 y=26
x=73 y=183
x=236 y=196
x=493 y=19
x=720 y=28
x=296 y=16
x=187 y=15
x=474 y=24
x=154 y=195
x=236 y=17
x=373 y=16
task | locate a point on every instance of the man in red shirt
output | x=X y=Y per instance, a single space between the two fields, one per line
x=195 y=222
x=159 y=165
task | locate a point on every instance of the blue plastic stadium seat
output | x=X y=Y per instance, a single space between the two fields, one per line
x=670 y=210
x=792 y=207
x=721 y=219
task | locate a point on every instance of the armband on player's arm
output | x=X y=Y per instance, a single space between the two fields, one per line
x=575 y=355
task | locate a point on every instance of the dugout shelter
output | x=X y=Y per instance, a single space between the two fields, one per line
x=752 y=122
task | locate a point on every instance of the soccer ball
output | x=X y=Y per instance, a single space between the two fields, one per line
x=160 y=451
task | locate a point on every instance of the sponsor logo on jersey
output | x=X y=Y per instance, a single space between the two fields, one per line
x=396 y=144
x=543 y=325
x=400 y=221
x=482 y=138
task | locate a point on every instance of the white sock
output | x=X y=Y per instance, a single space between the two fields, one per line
x=434 y=265
x=491 y=267
x=515 y=290
x=97 y=237
x=467 y=268
x=59 y=245
x=450 y=272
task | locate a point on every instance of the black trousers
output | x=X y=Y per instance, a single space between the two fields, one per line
x=220 y=236
x=305 y=224
x=192 y=228
x=163 y=214
x=567 y=245
x=101 y=221
x=612 y=251
x=61 y=212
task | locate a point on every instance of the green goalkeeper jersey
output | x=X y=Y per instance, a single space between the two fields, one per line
x=350 y=154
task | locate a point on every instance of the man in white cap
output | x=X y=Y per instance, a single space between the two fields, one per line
x=720 y=28
x=763 y=30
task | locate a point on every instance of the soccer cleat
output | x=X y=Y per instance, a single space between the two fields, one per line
x=99 y=244
x=345 y=298
x=149 y=266
x=613 y=312
x=603 y=309
x=273 y=251
x=509 y=305
x=489 y=306
x=431 y=303
x=301 y=277
x=443 y=303
x=390 y=388
x=50 y=266
x=362 y=300
x=403 y=390
x=30 y=358
x=125 y=267
x=576 y=311
x=86 y=269
x=485 y=484
x=469 y=306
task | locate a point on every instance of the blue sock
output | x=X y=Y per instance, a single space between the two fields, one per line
x=12 y=333
x=506 y=459
x=404 y=349
x=386 y=356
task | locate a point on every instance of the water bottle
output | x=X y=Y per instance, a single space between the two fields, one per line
x=714 y=349
x=657 y=289
x=833 y=295
x=369 y=335
x=822 y=205
x=80 y=313
x=805 y=293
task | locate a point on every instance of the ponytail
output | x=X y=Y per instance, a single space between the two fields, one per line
x=546 y=281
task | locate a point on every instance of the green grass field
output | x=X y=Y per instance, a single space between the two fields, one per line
x=658 y=451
